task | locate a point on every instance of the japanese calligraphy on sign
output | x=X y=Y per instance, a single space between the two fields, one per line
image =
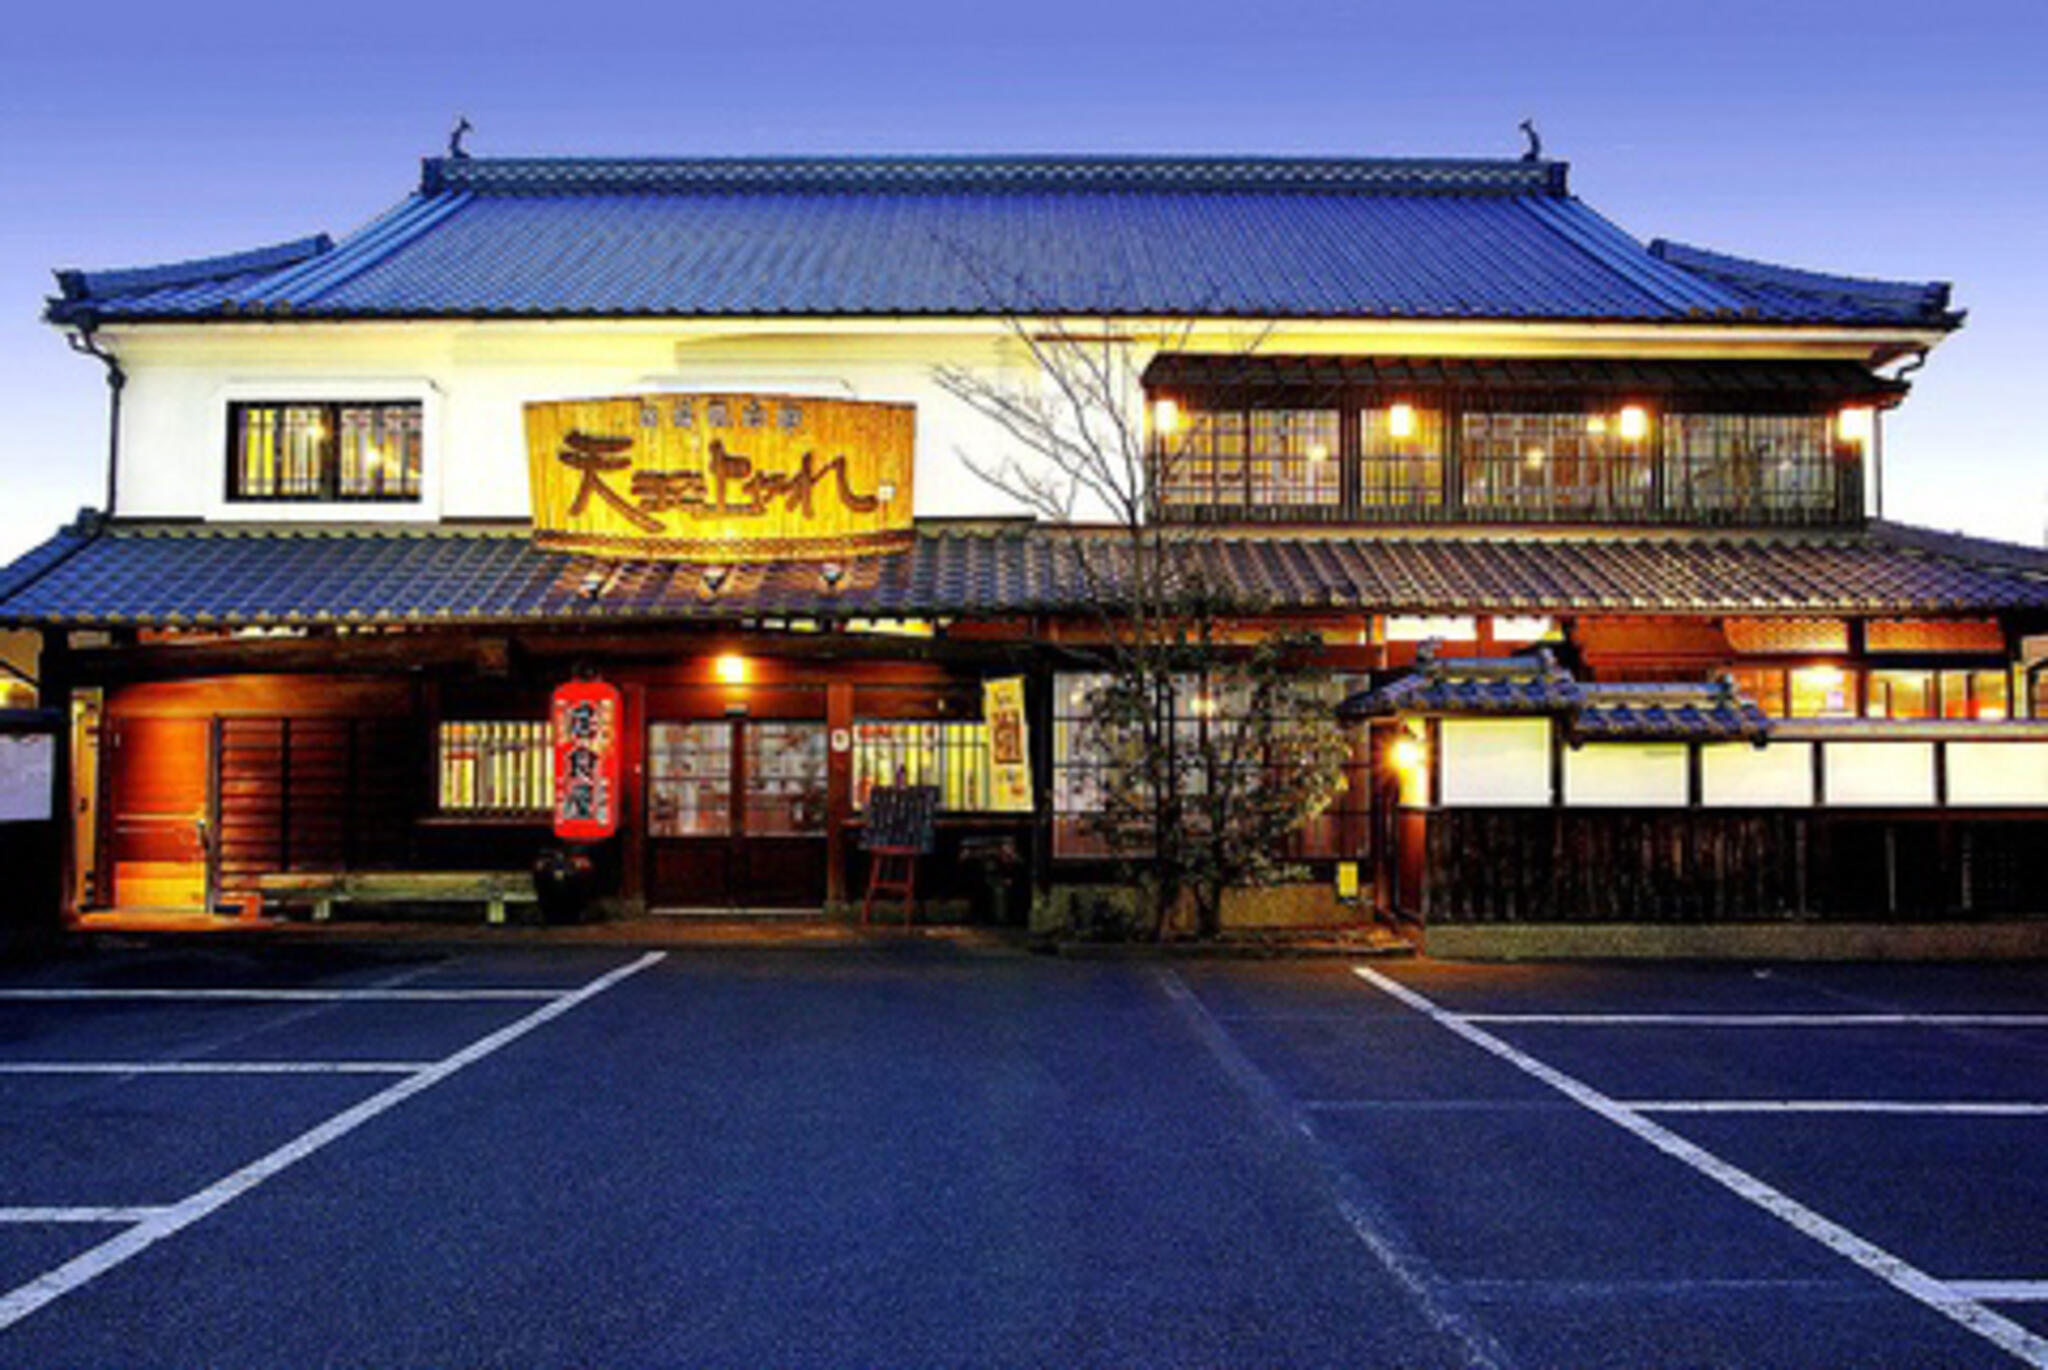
x=1008 y=744
x=720 y=478
x=585 y=714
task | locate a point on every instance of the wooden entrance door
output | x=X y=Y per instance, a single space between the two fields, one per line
x=736 y=813
x=158 y=806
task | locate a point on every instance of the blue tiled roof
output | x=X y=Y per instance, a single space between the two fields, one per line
x=213 y=574
x=1592 y=711
x=1253 y=237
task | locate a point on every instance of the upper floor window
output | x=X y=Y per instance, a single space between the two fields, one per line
x=324 y=451
x=1250 y=458
x=1516 y=462
x=1751 y=464
x=1401 y=456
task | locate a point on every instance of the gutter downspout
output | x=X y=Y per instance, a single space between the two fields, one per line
x=83 y=342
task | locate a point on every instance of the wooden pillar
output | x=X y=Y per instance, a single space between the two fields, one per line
x=1039 y=709
x=838 y=786
x=633 y=796
x=55 y=678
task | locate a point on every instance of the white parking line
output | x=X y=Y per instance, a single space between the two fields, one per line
x=1899 y=1106
x=287 y=996
x=1908 y=1279
x=79 y=1215
x=1434 y=1297
x=1764 y=1020
x=2002 y=1291
x=212 y=1067
x=166 y=1222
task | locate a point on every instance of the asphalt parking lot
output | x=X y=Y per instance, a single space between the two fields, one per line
x=914 y=1153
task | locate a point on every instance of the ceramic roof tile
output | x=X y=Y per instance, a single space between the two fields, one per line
x=266 y=574
x=886 y=236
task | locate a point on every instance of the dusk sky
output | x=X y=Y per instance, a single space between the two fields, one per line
x=1883 y=138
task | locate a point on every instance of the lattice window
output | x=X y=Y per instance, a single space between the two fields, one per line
x=1528 y=463
x=1750 y=464
x=1401 y=457
x=321 y=452
x=1254 y=458
x=501 y=766
x=950 y=754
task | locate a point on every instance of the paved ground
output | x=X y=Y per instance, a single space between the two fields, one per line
x=921 y=1153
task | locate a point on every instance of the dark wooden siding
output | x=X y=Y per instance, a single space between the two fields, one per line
x=1693 y=866
x=316 y=794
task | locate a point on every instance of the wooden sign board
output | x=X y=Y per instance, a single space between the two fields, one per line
x=901 y=818
x=721 y=478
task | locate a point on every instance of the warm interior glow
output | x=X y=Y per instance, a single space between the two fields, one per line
x=1635 y=422
x=1408 y=754
x=1401 y=421
x=730 y=668
x=1596 y=424
x=1165 y=418
x=1856 y=424
x=1535 y=457
x=1318 y=453
x=1826 y=677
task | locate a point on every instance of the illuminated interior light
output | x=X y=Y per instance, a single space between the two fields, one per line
x=1635 y=422
x=1401 y=421
x=730 y=668
x=1319 y=453
x=1165 y=418
x=1535 y=458
x=1408 y=754
x=1596 y=424
x=1856 y=425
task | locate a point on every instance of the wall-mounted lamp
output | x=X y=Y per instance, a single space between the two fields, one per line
x=730 y=668
x=1856 y=425
x=714 y=577
x=1401 y=421
x=1408 y=753
x=1635 y=423
x=1165 y=418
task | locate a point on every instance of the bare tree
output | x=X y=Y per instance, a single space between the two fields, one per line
x=1215 y=738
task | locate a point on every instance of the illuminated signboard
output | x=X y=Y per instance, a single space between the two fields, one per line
x=586 y=727
x=720 y=478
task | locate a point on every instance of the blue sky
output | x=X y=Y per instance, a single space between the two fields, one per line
x=1891 y=139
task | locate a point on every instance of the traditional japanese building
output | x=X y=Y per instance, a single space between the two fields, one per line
x=679 y=427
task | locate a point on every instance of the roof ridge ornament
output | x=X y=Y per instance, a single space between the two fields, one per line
x=1535 y=149
x=455 y=148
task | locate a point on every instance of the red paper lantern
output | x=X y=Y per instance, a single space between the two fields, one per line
x=586 y=716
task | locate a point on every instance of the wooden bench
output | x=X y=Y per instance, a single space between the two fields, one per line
x=324 y=889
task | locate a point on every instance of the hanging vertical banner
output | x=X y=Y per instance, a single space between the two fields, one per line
x=1009 y=751
x=586 y=717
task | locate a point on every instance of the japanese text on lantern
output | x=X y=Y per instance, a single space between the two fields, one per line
x=720 y=478
x=586 y=728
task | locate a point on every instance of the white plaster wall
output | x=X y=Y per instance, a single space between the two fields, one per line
x=1626 y=774
x=474 y=379
x=1736 y=775
x=1992 y=774
x=1865 y=774
x=477 y=374
x=1496 y=762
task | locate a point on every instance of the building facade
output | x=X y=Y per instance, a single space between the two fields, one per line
x=696 y=429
